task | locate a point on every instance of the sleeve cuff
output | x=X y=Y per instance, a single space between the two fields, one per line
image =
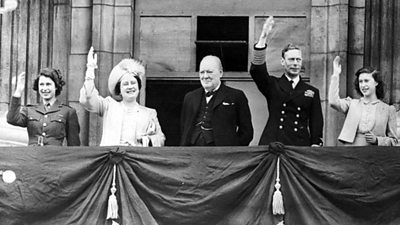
x=318 y=142
x=259 y=55
x=15 y=100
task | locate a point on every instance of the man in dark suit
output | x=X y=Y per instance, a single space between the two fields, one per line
x=215 y=114
x=295 y=114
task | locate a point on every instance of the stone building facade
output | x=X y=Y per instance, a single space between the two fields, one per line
x=171 y=36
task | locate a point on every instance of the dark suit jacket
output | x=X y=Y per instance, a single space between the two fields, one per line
x=231 y=120
x=295 y=116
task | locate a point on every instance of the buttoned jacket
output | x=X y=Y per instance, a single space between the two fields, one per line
x=385 y=117
x=295 y=115
x=231 y=118
x=46 y=127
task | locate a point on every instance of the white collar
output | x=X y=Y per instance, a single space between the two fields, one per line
x=295 y=80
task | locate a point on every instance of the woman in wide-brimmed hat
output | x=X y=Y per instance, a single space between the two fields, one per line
x=50 y=122
x=125 y=121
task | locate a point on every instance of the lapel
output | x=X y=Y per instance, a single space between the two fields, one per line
x=285 y=85
x=198 y=95
x=55 y=107
x=379 y=114
x=40 y=108
x=357 y=114
x=220 y=96
x=195 y=103
x=353 y=116
x=112 y=119
x=299 y=90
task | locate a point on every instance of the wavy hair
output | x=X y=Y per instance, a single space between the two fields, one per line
x=377 y=77
x=54 y=75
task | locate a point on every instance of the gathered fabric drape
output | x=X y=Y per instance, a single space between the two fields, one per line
x=201 y=185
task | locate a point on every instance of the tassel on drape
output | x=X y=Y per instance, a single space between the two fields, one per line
x=112 y=211
x=277 y=200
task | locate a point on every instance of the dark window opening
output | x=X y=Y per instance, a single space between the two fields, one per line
x=225 y=37
x=166 y=97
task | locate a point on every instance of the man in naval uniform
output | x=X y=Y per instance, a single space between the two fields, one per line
x=295 y=114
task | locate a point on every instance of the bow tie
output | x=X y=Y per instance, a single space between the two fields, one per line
x=210 y=93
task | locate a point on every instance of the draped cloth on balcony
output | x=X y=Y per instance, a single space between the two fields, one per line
x=201 y=185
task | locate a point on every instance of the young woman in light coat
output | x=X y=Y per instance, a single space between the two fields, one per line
x=369 y=121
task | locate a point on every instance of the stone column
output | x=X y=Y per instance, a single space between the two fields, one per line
x=356 y=42
x=112 y=38
x=329 y=37
x=81 y=40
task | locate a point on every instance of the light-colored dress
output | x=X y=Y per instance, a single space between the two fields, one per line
x=362 y=117
x=136 y=126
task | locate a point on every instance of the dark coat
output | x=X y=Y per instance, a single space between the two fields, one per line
x=231 y=120
x=51 y=126
x=295 y=116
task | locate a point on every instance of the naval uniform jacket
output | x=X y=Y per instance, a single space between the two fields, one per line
x=46 y=127
x=231 y=118
x=295 y=115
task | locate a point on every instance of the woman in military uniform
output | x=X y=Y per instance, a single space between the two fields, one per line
x=50 y=122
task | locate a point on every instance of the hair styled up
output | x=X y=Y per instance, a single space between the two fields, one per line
x=377 y=77
x=54 y=75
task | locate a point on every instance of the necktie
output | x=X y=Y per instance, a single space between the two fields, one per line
x=292 y=83
x=47 y=106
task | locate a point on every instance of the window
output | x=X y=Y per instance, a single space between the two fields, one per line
x=225 y=37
